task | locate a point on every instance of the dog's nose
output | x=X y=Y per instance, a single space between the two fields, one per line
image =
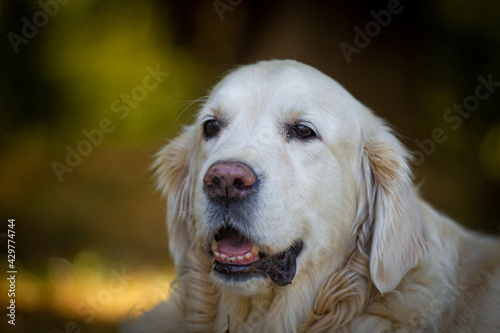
x=229 y=180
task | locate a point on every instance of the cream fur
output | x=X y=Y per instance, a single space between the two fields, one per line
x=376 y=257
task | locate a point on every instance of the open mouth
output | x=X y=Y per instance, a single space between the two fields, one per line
x=239 y=258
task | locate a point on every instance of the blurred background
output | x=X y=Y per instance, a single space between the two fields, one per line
x=90 y=89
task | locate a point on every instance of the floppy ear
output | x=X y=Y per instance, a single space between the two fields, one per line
x=399 y=235
x=174 y=173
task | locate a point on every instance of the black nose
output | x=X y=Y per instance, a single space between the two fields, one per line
x=229 y=180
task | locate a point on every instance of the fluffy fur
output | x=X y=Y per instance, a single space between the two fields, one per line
x=376 y=257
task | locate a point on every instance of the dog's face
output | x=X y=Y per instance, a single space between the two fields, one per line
x=274 y=178
x=270 y=178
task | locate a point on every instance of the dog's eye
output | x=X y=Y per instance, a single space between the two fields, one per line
x=211 y=128
x=301 y=131
x=304 y=131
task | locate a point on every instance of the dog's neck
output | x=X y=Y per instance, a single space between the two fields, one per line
x=208 y=309
x=272 y=310
x=297 y=305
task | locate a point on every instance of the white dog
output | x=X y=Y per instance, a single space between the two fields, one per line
x=291 y=208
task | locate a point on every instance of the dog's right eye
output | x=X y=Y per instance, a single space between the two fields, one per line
x=300 y=131
x=211 y=128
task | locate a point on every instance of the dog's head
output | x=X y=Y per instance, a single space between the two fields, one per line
x=278 y=166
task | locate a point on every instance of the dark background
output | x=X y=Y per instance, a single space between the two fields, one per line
x=75 y=235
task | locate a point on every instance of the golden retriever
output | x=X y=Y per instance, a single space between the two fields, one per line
x=291 y=208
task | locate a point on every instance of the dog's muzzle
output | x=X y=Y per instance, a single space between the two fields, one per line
x=239 y=258
x=230 y=186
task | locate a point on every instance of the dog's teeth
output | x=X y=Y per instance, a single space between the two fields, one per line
x=232 y=259
x=214 y=244
x=240 y=258
x=255 y=249
x=223 y=256
x=216 y=253
x=248 y=255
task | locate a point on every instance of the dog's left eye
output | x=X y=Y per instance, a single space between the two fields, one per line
x=211 y=128
x=301 y=131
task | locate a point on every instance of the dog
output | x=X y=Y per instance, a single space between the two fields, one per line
x=291 y=208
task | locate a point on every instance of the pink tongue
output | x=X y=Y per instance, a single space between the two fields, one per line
x=234 y=245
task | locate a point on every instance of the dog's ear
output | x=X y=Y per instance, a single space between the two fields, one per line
x=399 y=235
x=174 y=173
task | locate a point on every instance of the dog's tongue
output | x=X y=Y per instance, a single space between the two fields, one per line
x=233 y=244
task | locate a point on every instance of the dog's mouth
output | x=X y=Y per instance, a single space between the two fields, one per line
x=237 y=257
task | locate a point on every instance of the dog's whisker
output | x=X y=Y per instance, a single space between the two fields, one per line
x=189 y=104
